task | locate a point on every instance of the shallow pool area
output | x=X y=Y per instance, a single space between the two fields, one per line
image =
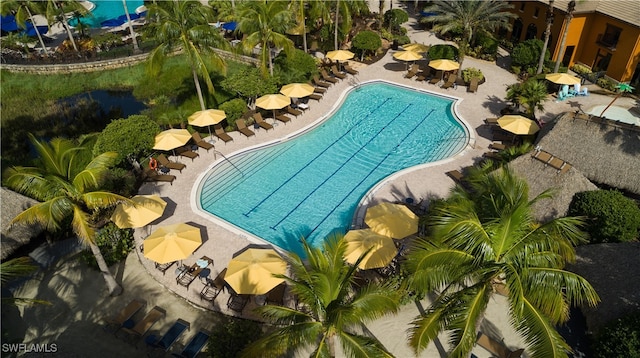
x=104 y=10
x=310 y=185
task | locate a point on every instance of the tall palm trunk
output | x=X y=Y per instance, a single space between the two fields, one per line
x=568 y=17
x=335 y=35
x=198 y=89
x=112 y=285
x=44 y=48
x=547 y=34
x=270 y=60
x=136 y=49
x=66 y=26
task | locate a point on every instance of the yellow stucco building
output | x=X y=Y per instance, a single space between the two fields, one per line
x=603 y=34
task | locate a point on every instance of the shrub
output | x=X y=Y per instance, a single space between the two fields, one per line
x=299 y=65
x=620 y=339
x=437 y=52
x=403 y=39
x=471 y=72
x=488 y=44
x=247 y=82
x=121 y=181
x=114 y=243
x=527 y=53
x=133 y=136
x=366 y=41
x=606 y=83
x=612 y=217
x=229 y=338
x=394 y=18
x=581 y=69
x=234 y=109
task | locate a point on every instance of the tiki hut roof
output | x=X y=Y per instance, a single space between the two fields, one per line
x=612 y=270
x=12 y=205
x=604 y=151
x=541 y=177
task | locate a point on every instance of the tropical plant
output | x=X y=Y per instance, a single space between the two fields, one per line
x=442 y=51
x=366 y=41
x=132 y=138
x=472 y=72
x=345 y=11
x=230 y=337
x=526 y=53
x=547 y=34
x=24 y=9
x=248 y=83
x=185 y=25
x=66 y=179
x=394 y=18
x=612 y=217
x=265 y=24
x=234 y=109
x=571 y=6
x=620 y=338
x=334 y=308
x=470 y=17
x=484 y=239
x=622 y=89
x=114 y=243
x=298 y=65
x=533 y=94
x=514 y=91
x=14 y=269
x=54 y=13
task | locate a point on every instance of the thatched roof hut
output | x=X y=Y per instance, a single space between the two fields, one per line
x=612 y=270
x=604 y=151
x=541 y=177
x=13 y=204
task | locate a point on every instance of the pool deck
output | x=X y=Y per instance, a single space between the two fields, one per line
x=140 y=279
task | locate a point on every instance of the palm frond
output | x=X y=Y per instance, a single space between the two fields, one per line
x=361 y=346
x=81 y=226
x=425 y=329
x=471 y=306
x=289 y=338
x=48 y=214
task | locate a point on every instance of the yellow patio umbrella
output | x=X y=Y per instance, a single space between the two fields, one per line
x=393 y=220
x=172 y=243
x=171 y=139
x=416 y=47
x=340 y=55
x=273 y=101
x=444 y=65
x=297 y=90
x=407 y=55
x=382 y=249
x=518 y=124
x=143 y=210
x=563 y=78
x=252 y=271
x=207 y=118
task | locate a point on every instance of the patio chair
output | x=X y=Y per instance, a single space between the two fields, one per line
x=451 y=81
x=221 y=134
x=242 y=128
x=456 y=175
x=350 y=70
x=423 y=75
x=210 y=291
x=164 y=267
x=164 y=162
x=473 y=85
x=186 y=152
x=282 y=118
x=237 y=302
x=559 y=164
x=320 y=90
x=315 y=96
x=498 y=146
x=436 y=78
x=141 y=328
x=260 y=121
x=320 y=83
x=293 y=111
x=172 y=335
x=336 y=72
x=492 y=155
x=195 y=345
x=152 y=175
x=327 y=78
x=491 y=121
x=412 y=71
x=201 y=142
x=276 y=295
x=189 y=275
x=116 y=322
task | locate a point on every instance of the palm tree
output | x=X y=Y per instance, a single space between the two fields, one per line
x=54 y=13
x=334 y=308
x=265 y=23
x=19 y=267
x=470 y=17
x=66 y=180
x=24 y=9
x=622 y=89
x=298 y=7
x=547 y=34
x=185 y=25
x=571 y=6
x=486 y=239
x=348 y=10
x=533 y=93
x=136 y=49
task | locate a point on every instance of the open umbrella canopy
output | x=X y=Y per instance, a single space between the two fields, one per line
x=407 y=55
x=172 y=243
x=444 y=65
x=252 y=271
x=415 y=47
x=297 y=90
x=563 y=78
x=143 y=210
x=207 y=117
x=171 y=139
x=518 y=124
x=393 y=220
x=340 y=55
x=382 y=249
x=273 y=101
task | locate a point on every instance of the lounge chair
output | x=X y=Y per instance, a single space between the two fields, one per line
x=326 y=77
x=492 y=155
x=258 y=118
x=498 y=146
x=210 y=291
x=320 y=83
x=336 y=72
x=237 y=302
x=189 y=275
x=282 y=118
x=115 y=323
x=152 y=175
x=491 y=121
x=473 y=85
x=242 y=128
x=293 y=111
x=451 y=81
x=542 y=156
x=315 y=96
x=276 y=295
x=141 y=328
x=220 y=133
x=320 y=90
x=350 y=70
x=195 y=345
x=412 y=71
x=172 y=334
x=164 y=162
x=456 y=175
x=200 y=142
x=164 y=267
x=186 y=152
x=436 y=78
x=423 y=75
x=496 y=348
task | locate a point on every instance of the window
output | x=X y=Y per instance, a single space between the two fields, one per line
x=517 y=31
x=536 y=12
x=532 y=32
x=610 y=37
x=602 y=60
x=522 y=4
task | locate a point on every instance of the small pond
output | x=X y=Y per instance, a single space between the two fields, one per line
x=120 y=104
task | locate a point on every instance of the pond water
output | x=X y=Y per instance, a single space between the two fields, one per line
x=121 y=104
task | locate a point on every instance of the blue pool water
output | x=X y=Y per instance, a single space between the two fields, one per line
x=310 y=185
x=107 y=10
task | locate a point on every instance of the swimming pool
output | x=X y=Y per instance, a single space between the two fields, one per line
x=107 y=10
x=311 y=184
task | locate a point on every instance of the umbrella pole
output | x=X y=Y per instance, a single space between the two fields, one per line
x=210 y=135
x=274 y=114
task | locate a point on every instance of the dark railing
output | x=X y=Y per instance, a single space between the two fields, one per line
x=608 y=40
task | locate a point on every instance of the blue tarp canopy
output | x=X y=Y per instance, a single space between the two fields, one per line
x=230 y=26
x=8 y=23
x=31 y=31
x=427 y=14
x=123 y=18
x=112 y=23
